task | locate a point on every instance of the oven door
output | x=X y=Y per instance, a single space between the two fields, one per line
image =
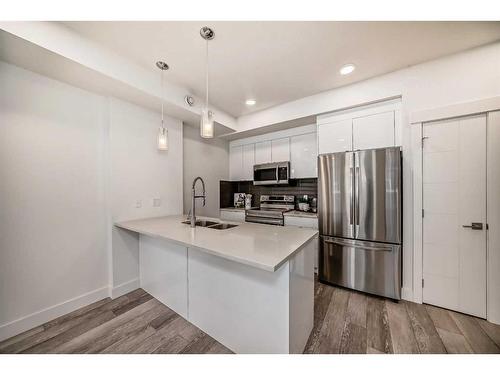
x=264 y=220
x=370 y=267
x=265 y=174
x=264 y=217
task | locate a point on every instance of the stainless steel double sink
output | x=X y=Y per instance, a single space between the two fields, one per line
x=211 y=224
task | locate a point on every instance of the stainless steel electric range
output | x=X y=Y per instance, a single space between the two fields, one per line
x=271 y=209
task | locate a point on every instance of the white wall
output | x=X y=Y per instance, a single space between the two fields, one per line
x=139 y=172
x=52 y=208
x=208 y=158
x=470 y=75
x=72 y=162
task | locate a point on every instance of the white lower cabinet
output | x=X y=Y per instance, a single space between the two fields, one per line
x=238 y=216
x=300 y=221
x=306 y=222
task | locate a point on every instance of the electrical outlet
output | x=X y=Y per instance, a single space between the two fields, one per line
x=138 y=204
x=156 y=202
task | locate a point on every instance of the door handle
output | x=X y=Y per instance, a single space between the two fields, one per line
x=474 y=226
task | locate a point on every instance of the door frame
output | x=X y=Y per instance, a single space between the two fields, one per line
x=417 y=119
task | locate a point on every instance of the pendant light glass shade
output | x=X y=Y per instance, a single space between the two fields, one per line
x=163 y=139
x=206 y=124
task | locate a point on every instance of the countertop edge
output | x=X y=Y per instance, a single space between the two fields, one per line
x=274 y=268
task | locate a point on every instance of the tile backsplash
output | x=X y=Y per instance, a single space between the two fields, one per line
x=297 y=187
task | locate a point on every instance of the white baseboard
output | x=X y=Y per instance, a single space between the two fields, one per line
x=43 y=316
x=124 y=288
x=407 y=294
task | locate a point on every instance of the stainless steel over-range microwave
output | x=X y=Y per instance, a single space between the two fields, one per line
x=271 y=173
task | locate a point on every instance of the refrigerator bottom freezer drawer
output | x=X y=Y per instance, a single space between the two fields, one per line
x=361 y=265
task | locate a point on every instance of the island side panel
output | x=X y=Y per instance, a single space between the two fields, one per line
x=243 y=307
x=163 y=272
x=302 y=296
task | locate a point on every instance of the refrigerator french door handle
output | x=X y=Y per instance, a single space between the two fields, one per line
x=351 y=200
x=356 y=203
x=358 y=246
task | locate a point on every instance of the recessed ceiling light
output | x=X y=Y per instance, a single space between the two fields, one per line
x=250 y=102
x=347 y=69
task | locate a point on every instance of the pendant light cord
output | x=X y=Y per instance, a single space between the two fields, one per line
x=206 y=77
x=163 y=127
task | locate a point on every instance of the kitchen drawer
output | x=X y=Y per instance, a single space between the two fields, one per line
x=305 y=222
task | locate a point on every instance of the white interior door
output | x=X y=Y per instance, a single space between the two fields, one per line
x=454 y=197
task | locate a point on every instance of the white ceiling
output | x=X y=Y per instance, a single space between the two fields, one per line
x=276 y=62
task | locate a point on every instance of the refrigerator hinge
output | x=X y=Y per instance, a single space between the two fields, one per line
x=422 y=283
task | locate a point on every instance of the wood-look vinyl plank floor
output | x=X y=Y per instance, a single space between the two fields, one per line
x=345 y=321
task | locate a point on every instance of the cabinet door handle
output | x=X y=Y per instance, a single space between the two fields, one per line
x=474 y=226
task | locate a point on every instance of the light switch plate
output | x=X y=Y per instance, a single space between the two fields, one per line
x=138 y=204
x=156 y=202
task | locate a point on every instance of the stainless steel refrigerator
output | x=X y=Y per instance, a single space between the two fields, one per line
x=359 y=209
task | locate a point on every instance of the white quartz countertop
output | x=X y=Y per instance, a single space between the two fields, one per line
x=262 y=246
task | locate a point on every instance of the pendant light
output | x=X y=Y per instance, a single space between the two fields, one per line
x=162 y=132
x=207 y=122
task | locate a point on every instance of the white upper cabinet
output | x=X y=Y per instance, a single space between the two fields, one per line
x=248 y=162
x=372 y=126
x=375 y=131
x=280 y=149
x=235 y=163
x=335 y=136
x=263 y=152
x=303 y=156
x=275 y=147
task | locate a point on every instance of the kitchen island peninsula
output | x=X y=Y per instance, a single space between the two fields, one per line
x=249 y=286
